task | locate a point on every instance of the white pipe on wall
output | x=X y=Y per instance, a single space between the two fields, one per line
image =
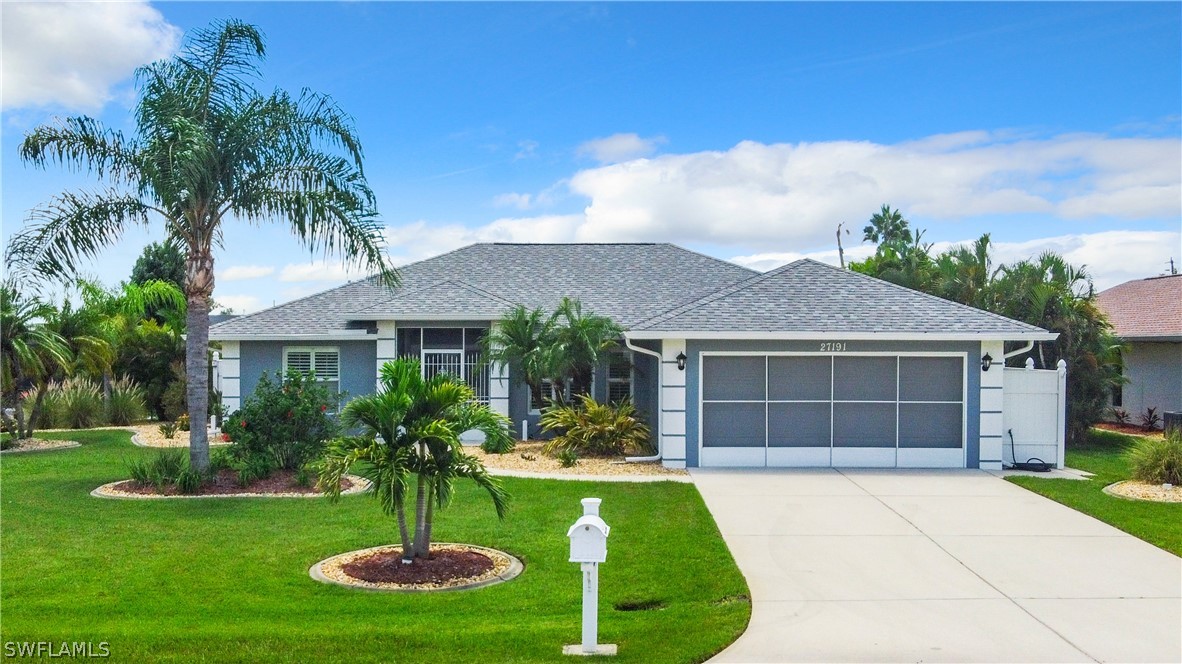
x=660 y=397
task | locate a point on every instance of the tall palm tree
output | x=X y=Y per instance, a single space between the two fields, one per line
x=208 y=146
x=30 y=350
x=887 y=226
x=521 y=340
x=581 y=339
x=412 y=426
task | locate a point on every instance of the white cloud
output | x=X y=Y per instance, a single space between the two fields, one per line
x=619 y=147
x=241 y=304
x=418 y=240
x=794 y=195
x=73 y=54
x=320 y=270
x=1110 y=257
x=243 y=272
x=526 y=149
x=513 y=199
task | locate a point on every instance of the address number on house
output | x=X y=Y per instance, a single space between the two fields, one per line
x=833 y=347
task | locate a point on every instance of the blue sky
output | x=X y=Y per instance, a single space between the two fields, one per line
x=748 y=131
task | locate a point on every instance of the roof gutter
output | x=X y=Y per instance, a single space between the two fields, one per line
x=846 y=336
x=1024 y=349
x=660 y=397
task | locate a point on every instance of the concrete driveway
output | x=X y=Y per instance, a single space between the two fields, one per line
x=922 y=566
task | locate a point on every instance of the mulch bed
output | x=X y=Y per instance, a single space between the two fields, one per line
x=226 y=482
x=1128 y=429
x=443 y=567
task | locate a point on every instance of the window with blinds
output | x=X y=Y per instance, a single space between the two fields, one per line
x=323 y=363
x=619 y=376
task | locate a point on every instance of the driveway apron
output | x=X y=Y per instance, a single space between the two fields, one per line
x=936 y=566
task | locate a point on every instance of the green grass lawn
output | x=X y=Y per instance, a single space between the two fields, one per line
x=1156 y=523
x=227 y=579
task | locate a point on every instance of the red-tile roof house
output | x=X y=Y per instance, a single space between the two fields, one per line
x=1147 y=316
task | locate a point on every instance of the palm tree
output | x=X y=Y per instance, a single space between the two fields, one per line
x=30 y=350
x=521 y=340
x=412 y=426
x=581 y=339
x=888 y=227
x=208 y=147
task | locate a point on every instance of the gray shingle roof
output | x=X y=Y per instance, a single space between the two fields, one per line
x=627 y=282
x=811 y=297
x=449 y=298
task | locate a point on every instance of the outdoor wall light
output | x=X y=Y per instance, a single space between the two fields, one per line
x=986 y=362
x=681 y=361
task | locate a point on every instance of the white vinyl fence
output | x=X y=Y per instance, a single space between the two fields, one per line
x=1035 y=412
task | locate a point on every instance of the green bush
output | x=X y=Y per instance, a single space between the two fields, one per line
x=126 y=403
x=168 y=430
x=174 y=400
x=590 y=428
x=182 y=422
x=74 y=403
x=498 y=445
x=282 y=425
x=162 y=470
x=568 y=458
x=1158 y=460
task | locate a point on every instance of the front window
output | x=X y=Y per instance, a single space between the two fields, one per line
x=323 y=363
x=619 y=376
x=451 y=350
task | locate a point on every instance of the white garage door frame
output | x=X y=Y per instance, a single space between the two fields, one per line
x=848 y=457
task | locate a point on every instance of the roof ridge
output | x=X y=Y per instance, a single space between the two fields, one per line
x=715 y=295
x=921 y=293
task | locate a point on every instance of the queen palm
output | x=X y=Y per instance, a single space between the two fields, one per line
x=208 y=147
x=412 y=427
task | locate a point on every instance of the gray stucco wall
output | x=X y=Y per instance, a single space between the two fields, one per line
x=973 y=396
x=1154 y=372
x=358 y=363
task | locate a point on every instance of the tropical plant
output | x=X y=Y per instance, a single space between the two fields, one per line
x=568 y=458
x=168 y=430
x=164 y=469
x=590 y=428
x=182 y=422
x=148 y=353
x=285 y=423
x=160 y=261
x=580 y=340
x=207 y=146
x=522 y=340
x=1120 y=415
x=1157 y=460
x=30 y=351
x=887 y=226
x=1150 y=420
x=74 y=403
x=412 y=427
x=125 y=403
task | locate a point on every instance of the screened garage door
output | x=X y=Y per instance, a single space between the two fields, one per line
x=833 y=410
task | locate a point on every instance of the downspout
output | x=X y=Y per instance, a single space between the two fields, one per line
x=660 y=397
x=1025 y=349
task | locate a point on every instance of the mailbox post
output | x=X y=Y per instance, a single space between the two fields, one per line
x=588 y=547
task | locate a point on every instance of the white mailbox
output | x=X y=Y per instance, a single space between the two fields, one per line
x=588 y=537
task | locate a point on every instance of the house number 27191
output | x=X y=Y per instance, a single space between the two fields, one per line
x=833 y=347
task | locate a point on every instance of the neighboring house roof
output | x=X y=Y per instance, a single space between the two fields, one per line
x=806 y=298
x=627 y=282
x=1148 y=309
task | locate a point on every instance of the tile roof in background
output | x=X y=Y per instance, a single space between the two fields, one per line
x=1145 y=308
x=808 y=296
x=627 y=282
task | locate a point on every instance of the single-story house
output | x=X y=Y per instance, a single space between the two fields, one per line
x=805 y=365
x=1146 y=314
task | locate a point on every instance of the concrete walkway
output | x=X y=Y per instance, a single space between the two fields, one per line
x=922 y=566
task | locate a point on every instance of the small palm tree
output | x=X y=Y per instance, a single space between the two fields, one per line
x=208 y=147
x=581 y=339
x=521 y=340
x=31 y=351
x=412 y=427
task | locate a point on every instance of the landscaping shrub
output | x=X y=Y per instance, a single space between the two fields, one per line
x=182 y=422
x=590 y=428
x=498 y=445
x=282 y=425
x=168 y=468
x=1158 y=460
x=74 y=403
x=127 y=402
x=174 y=400
x=1120 y=415
x=168 y=430
x=568 y=458
x=1150 y=419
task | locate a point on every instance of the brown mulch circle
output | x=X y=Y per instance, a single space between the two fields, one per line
x=226 y=483
x=1129 y=429
x=443 y=567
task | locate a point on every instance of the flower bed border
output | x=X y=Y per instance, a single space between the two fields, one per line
x=516 y=567
x=66 y=445
x=1112 y=491
x=109 y=490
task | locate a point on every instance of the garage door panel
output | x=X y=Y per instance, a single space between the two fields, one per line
x=738 y=378
x=931 y=425
x=799 y=378
x=798 y=424
x=931 y=378
x=864 y=425
x=864 y=378
x=733 y=425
